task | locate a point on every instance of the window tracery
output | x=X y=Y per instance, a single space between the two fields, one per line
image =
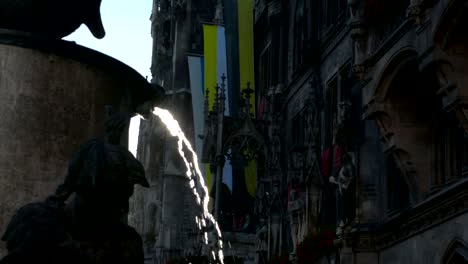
x=301 y=34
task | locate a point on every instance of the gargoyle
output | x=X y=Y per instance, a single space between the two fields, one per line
x=51 y=18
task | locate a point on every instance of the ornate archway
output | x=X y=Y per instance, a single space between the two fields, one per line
x=456 y=253
x=403 y=105
x=450 y=59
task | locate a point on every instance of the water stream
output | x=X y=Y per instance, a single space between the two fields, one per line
x=196 y=180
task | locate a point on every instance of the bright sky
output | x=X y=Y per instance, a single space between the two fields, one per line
x=128 y=33
x=128 y=39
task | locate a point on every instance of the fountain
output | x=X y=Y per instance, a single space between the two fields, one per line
x=54 y=93
x=52 y=98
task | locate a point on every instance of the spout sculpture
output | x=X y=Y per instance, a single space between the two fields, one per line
x=155 y=96
x=51 y=18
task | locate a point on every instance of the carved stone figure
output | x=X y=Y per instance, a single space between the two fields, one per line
x=90 y=228
x=51 y=18
x=343 y=191
x=262 y=242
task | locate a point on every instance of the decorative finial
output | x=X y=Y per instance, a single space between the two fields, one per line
x=248 y=91
x=215 y=104
x=206 y=104
x=218 y=18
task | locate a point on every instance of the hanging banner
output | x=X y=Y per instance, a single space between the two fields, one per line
x=214 y=38
x=196 y=74
x=246 y=73
x=215 y=67
x=246 y=47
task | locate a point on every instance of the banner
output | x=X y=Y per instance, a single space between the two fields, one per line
x=246 y=72
x=215 y=62
x=215 y=66
x=196 y=74
x=246 y=46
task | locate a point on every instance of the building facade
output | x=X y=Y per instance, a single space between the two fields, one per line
x=365 y=103
x=362 y=109
x=163 y=214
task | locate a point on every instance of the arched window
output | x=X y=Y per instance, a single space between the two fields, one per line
x=456 y=253
x=451 y=150
x=300 y=34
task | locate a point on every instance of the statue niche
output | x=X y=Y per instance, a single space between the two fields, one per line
x=51 y=18
x=91 y=227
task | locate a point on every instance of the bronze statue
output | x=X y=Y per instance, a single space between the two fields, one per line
x=51 y=18
x=90 y=228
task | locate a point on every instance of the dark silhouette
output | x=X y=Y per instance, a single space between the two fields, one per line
x=90 y=228
x=51 y=18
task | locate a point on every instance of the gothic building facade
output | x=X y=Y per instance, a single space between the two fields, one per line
x=163 y=214
x=362 y=106
x=366 y=110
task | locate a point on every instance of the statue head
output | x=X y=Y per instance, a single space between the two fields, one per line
x=102 y=173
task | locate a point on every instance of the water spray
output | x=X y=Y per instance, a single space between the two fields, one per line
x=193 y=173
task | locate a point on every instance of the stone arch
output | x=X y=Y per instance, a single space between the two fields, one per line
x=451 y=59
x=400 y=59
x=402 y=105
x=456 y=252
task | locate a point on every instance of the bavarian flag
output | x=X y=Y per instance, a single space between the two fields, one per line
x=229 y=50
x=215 y=66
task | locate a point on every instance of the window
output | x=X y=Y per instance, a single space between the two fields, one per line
x=397 y=189
x=264 y=81
x=298 y=130
x=464 y=153
x=338 y=96
x=331 y=112
x=302 y=48
x=451 y=150
x=300 y=35
x=334 y=12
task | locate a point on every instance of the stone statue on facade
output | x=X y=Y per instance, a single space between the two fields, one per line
x=91 y=227
x=343 y=192
x=295 y=208
x=262 y=242
x=51 y=18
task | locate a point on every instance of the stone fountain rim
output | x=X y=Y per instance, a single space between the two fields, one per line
x=71 y=50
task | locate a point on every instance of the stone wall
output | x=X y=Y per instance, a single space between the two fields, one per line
x=427 y=247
